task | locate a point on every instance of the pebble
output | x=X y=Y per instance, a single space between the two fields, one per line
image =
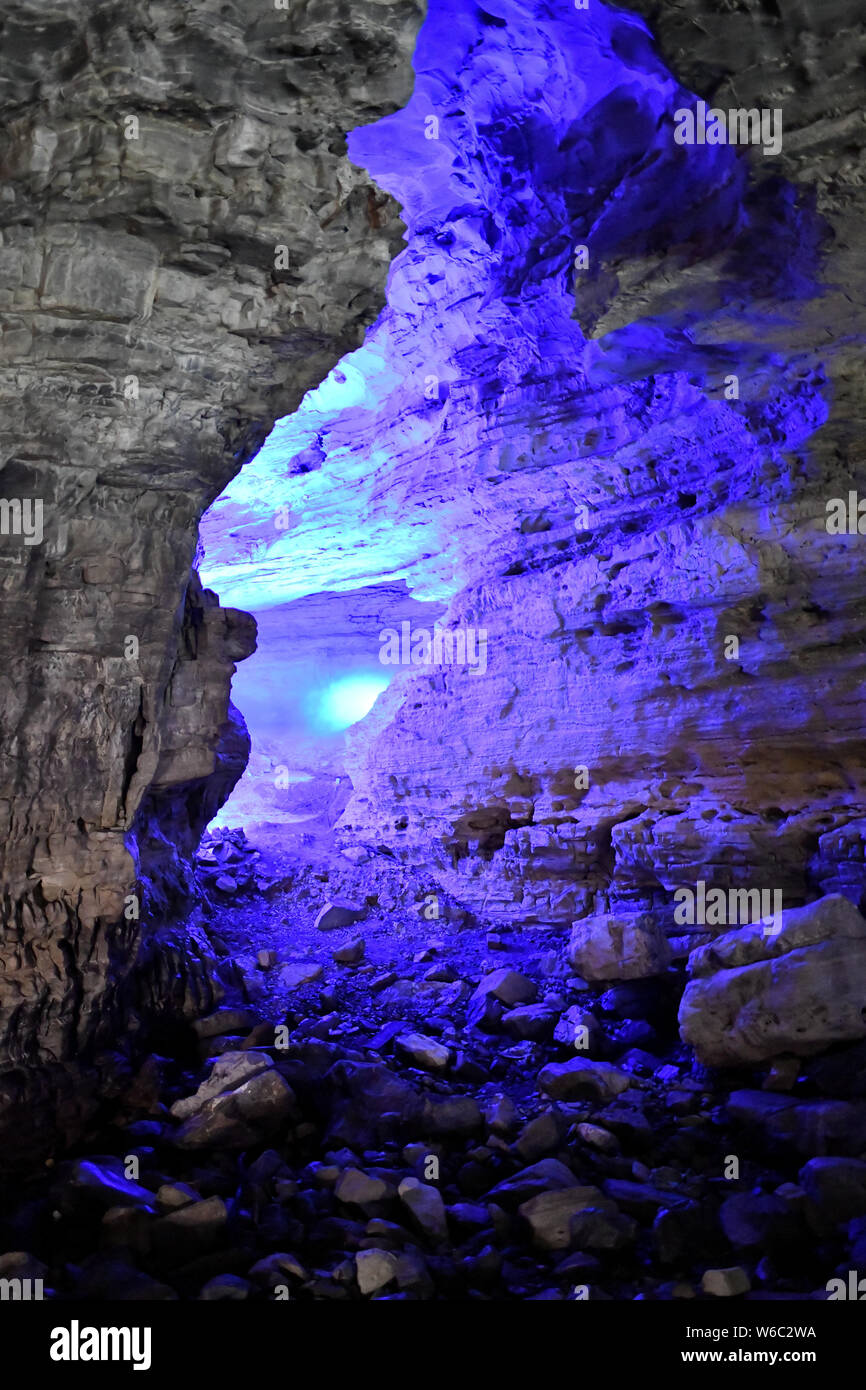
x=725 y=1283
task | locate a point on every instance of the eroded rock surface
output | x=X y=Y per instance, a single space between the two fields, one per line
x=754 y=995
x=672 y=687
x=185 y=248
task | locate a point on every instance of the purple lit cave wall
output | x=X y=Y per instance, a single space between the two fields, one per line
x=433 y=793
x=606 y=460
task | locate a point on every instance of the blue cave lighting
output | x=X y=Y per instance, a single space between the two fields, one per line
x=346 y=701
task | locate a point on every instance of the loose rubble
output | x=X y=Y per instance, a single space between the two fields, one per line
x=475 y=1129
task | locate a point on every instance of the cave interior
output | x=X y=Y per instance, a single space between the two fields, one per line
x=433 y=796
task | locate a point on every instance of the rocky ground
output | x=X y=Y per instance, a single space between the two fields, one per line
x=390 y=1104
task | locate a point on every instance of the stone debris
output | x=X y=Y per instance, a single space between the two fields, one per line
x=339 y=914
x=386 y=1137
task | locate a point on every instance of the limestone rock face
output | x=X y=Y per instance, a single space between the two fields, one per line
x=754 y=995
x=185 y=248
x=612 y=469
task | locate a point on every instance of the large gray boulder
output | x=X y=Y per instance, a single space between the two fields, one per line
x=752 y=996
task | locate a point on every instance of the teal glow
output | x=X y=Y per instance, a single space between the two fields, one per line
x=349 y=699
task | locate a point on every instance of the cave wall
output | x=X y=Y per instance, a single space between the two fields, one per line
x=184 y=250
x=620 y=516
x=558 y=452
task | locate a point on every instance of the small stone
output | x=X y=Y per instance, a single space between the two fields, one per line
x=598 y=1138
x=266 y=960
x=668 y=1074
x=423 y=1051
x=627 y=1122
x=836 y=1187
x=440 y=974
x=192 y=1230
x=302 y=972
x=359 y=1189
x=273 y=1269
x=383 y=982
x=540 y=1136
x=726 y=1283
x=484 y=1012
x=508 y=986
x=356 y=854
x=338 y=914
x=532 y=1021
x=549 y=1215
x=174 y=1195
x=579 y=1030
x=548 y=1175
x=426 y=1206
x=451 y=1115
x=500 y=1114
x=351 y=952
x=581 y=1077
x=224 y=1021
x=602 y=1227
x=374 y=1269
x=226 y=884
x=225 y=1288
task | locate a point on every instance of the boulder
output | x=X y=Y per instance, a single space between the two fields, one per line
x=618 y=948
x=243 y=1099
x=835 y=1188
x=753 y=995
x=508 y=986
x=550 y=1214
x=530 y=1021
x=582 y=1077
x=548 y=1175
x=810 y=1127
x=374 y=1269
x=426 y=1207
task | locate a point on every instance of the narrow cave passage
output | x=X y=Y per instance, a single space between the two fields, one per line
x=524 y=958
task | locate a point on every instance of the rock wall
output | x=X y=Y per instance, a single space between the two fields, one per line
x=616 y=384
x=621 y=514
x=184 y=250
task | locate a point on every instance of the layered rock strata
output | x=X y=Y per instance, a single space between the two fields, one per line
x=185 y=248
x=614 y=391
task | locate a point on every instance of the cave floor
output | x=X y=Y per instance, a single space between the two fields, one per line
x=445 y=1113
